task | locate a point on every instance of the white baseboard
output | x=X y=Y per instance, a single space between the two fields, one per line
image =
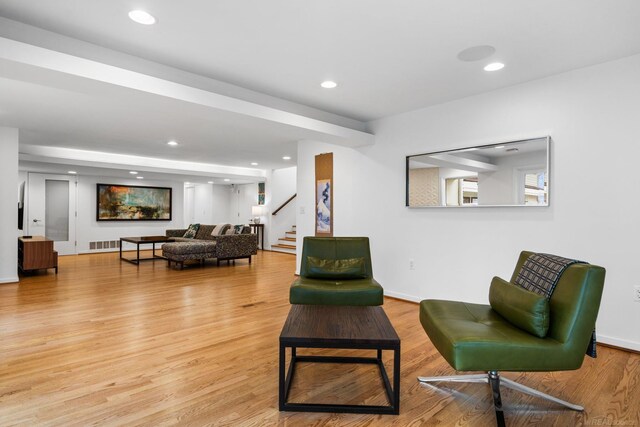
x=617 y=342
x=13 y=279
x=402 y=296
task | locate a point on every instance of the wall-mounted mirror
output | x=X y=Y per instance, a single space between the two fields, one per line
x=506 y=174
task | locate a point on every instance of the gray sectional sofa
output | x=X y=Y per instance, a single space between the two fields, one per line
x=227 y=243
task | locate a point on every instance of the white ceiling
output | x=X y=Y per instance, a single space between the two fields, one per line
x=387 y=56
x=265 y=60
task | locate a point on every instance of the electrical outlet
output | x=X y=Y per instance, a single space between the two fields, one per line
x=636 y=293
x=412 y=264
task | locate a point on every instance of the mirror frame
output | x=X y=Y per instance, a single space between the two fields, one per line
x=548 y=166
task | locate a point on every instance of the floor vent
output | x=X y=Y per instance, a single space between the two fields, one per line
x=105 y=244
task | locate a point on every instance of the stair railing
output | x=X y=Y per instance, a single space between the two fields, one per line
x=284 y=204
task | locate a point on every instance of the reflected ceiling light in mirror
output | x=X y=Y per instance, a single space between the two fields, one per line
x=209 y=182
x=494 y=66
x=254 y=164
x=172 y=143
x=227 y=180
x=328 y=84
x=286 y=158
x=133 y=172
x=142 y=17
x=139 y=177
x=499 y=147
x=72 y=172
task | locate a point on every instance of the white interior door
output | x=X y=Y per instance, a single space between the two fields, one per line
x=52 y=210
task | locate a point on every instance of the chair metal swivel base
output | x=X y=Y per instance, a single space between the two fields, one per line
x=493 y=379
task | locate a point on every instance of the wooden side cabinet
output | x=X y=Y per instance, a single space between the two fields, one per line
x=36 y=253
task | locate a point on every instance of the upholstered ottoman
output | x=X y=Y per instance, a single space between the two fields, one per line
x=179 y=252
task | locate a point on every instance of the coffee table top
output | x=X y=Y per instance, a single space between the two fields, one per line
x=336 y=325
x=147 y=239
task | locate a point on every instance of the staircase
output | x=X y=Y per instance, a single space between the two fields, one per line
x=286 y=244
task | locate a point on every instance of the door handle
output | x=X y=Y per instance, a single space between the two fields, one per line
x=37 y=220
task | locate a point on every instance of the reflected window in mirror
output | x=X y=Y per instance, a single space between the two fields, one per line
x=502 y=174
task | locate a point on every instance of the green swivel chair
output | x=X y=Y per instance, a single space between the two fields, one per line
x=474 y=337
x=336 y=271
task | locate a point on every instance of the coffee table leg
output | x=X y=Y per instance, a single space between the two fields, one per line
x=396 y=380
x=120 y=248
x=281 y=392
x=138 y=253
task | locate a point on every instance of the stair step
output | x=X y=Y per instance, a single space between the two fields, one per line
x=290 y=232
x=283 y=250
x=288 y=239
x=284 y=246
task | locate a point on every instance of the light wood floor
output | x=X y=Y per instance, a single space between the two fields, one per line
x=108 y=343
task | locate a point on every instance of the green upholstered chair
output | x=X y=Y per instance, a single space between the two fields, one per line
x=336 y=271
x=474 y=337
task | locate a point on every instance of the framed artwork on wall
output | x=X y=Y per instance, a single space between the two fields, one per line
x=261 y=193
x=324 y=195
x=132 y=203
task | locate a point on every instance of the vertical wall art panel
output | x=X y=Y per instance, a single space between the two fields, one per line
x=324 y=195
x=261 y=193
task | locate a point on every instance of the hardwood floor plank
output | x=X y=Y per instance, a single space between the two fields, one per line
x=109 y=343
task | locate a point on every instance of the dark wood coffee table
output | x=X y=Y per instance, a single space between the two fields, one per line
x=346 y=327
x=143 y=240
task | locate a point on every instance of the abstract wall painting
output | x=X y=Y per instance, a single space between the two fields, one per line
x=324 y=195
x=132 y=203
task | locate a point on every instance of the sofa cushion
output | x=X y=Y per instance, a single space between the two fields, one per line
x=220 y=229
x=191 y=231
x=192 y=247
x=204 y=232
x=241 y=229
x=336 y=269
x=525 y=309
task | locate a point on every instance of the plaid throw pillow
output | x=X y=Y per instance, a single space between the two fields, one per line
x=191 y=231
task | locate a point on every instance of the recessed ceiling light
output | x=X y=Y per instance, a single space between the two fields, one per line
x=209 y=182
x=476 y=53
x=227 y=180
x=499 y=147
x=254 y=164
x=286 y=158
x=172 y=143
x=187 y=183
x=139 y=177
x=142 y=17
x=328 y=84
x=494 y=66
x=133 y=172
x=72 y=172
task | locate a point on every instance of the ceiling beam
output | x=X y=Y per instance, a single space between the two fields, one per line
x=15 y=54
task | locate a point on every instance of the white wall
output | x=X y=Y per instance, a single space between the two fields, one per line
x=592 y=117
x=89 y=230
x=208 y=204
x=244 y=197
x=282 y=185
x=9 y=205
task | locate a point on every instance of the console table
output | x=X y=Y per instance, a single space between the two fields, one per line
x=36 y=253
x=259 y=230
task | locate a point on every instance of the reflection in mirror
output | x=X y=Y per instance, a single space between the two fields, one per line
x=506 y=174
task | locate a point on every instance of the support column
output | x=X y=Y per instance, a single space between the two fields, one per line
x=9 y=205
